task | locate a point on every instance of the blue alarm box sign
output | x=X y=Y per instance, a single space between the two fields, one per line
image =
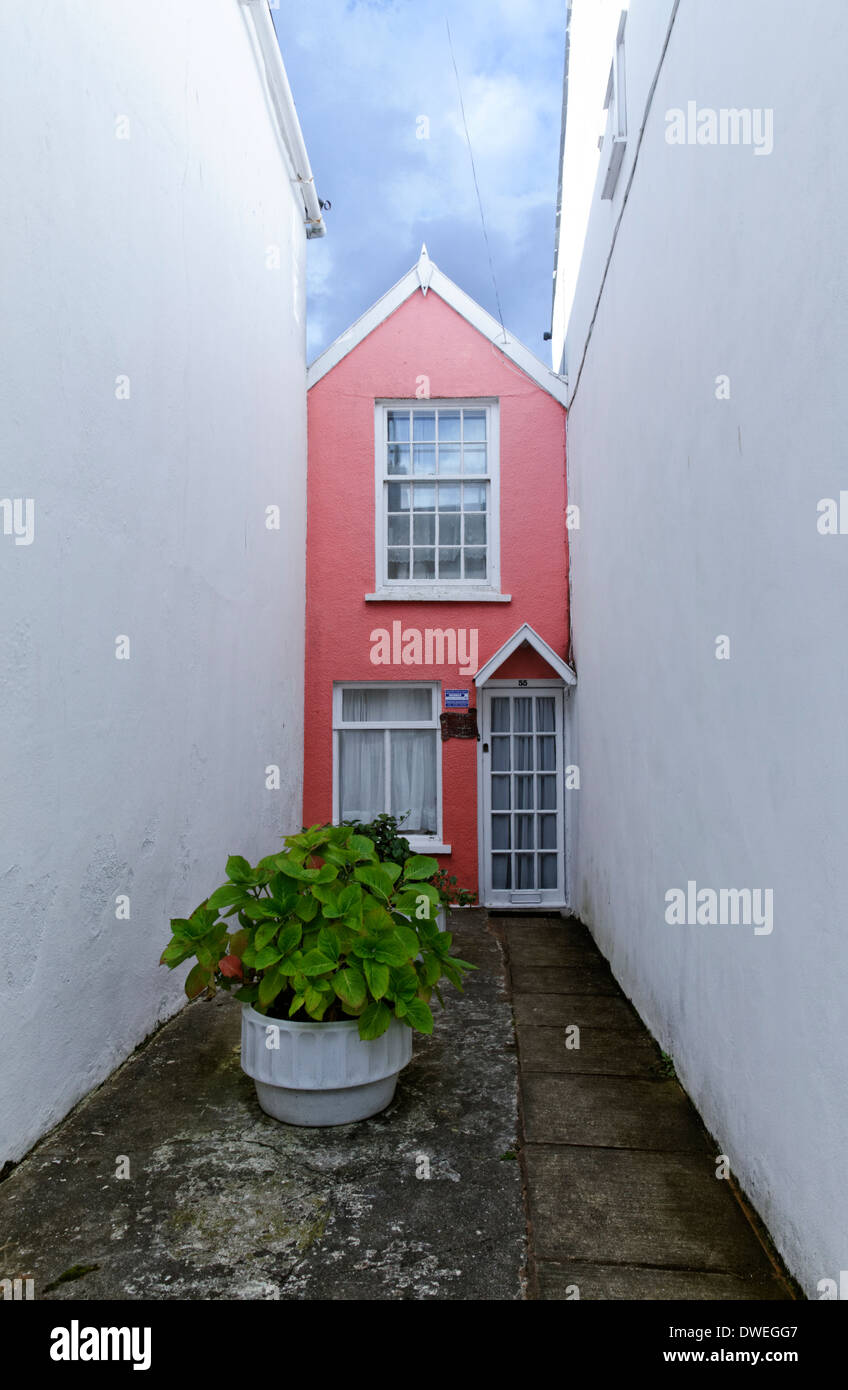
x=456 y=699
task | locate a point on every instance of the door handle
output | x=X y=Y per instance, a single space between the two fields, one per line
x=485 y=747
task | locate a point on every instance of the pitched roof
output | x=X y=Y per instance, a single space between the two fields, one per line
x=425 y=276
x=527 y=634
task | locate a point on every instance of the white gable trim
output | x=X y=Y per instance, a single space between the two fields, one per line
x=526 y=634
x=424 y=276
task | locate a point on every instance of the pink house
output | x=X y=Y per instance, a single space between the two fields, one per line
x=437 y=628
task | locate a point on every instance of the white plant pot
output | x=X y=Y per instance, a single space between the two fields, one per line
x=321 y=1073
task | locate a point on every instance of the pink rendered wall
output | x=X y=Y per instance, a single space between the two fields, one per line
x=425 y=337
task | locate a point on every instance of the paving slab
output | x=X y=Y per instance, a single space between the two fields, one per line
x=577 y=1280
x=221 y=1202
x=610 y=1112
x=602 y=1051
x=620 y=1178
x=622 y=1206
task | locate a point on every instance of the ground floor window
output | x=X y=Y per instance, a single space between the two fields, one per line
x=387 y=754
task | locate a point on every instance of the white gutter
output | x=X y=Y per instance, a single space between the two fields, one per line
x=284 y=109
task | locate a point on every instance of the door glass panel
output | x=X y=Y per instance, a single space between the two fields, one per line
x=524 y=832
x=525 y=866
x=523 y=715
x=546 y=753
x=524 y=793
x=548 y=870
x=524 y=753
x=500 y=714
x=545 y=707
x=500 y=794
x=501 y=871
x=501 y=832
x=547 y=832
x=500 y=754
x=547 y=793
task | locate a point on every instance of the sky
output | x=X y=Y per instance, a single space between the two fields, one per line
x=363 y=73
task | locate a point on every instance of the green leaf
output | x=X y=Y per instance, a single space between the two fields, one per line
x=307 y=907
x=328 y=942
x=267 y=956
x=197 y=980
x=374 y=1021
x=362 y=846
x=375 y=878
x=269 y=987
x=296 y=1003
x=391 y=951
x=238 y=869
x=265 y=933
x=349 y=985
x=390 y=868
x=420 y=866
x=316 y=963
x=377 y=976
x=326 y=874
x=247 y=994
x=176 y=953
x=419 y=1015
x=289 y=937
x=228 y=895
x=315 y=1002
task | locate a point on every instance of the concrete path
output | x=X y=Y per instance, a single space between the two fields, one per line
x=623 y=1201
x=218 y=1201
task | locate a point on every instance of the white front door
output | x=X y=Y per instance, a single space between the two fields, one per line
x=522 y=793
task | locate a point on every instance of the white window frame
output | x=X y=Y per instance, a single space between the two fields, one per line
x=445 y=590
x=422 y=844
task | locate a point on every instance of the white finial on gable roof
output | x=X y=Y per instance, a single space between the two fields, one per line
x=425 y=269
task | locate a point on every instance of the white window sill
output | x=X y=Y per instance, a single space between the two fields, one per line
x=421 y=845
x=436 y=594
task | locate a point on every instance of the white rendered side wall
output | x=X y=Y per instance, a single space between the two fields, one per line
x=144 y=184
x=699 y=521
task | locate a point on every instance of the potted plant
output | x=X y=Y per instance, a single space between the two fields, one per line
x=335 y=959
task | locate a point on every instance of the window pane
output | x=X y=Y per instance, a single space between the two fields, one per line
x=475 y=497
x=398 y=533
x=475 y=458
x=525 y=870
x=547 y=793
x=424 y=528
x=475 y=564
x=545 y=713
x=362 y=783
x=546 y=753
x=548 y=867
x=500 y=754
x=423 y=563
x=501 y=871
x=524 y=793
x=398 y=497
x=449 y=458
x=523 y=714
x=448 y=497
x=500 y=832
x=500 y=793
x=524 y=754
x=449 y=528
x=450 y=563
x=398 y=564
x=474 y=424
x=449 y=424
x=398 y=424
x=424 y=424
x=475 y=528
x=398 y=458
x=500 y=714
x=424 y=458
x=383 y=704
x=547 y=832
x=413 y=755
x=524 y=832
x=424 y=497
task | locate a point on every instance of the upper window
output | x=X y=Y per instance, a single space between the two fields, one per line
x=437 y=496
